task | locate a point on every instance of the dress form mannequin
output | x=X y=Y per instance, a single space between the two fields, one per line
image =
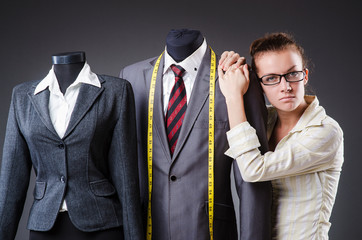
x=67 y=67
x=181 y=43
x=92 y=165
x=176 y=206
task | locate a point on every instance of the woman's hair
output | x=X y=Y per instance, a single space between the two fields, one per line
x=275 y=42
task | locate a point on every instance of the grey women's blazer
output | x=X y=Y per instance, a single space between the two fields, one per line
x=180 y=182
x=94 y=166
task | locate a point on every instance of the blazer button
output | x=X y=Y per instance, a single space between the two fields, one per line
x=61 y=146
x=173 y=178
x=62 y=179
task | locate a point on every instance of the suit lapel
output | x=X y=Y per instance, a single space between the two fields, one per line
x=199 y=96
x=158 y=114
x=40 y=102
x=86 y=98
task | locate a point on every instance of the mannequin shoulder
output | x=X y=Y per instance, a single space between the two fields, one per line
x=25 y=87
x=135 y=69
x=114 y=84
x=141 y=64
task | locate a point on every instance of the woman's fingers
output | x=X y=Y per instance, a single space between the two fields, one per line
x=230 y=58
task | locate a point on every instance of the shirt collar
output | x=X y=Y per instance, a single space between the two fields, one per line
x=312 y=116
x=84 y=76
x=191 y=63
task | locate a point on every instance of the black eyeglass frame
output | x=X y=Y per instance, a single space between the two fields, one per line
x=280 y=77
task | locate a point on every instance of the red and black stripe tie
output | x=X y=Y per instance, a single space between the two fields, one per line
x=176 y=108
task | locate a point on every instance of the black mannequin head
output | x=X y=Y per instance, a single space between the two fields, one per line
x=67 y=67
x=181 y=43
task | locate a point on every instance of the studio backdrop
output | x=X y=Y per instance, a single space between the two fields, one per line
x=116 y=33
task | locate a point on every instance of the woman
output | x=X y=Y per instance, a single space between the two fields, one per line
x=306 y=145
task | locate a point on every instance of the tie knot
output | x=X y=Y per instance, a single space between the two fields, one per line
x=177 y=70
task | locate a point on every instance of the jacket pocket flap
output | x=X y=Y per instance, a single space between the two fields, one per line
x=102 y=188
x=221 y=211
x=39 y=190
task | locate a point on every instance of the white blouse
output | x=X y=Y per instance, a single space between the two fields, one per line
x=304 y=169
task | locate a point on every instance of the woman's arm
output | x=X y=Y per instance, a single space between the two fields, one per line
x=234 y=84
x=316 y=148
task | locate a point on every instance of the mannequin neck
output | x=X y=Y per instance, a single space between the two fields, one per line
x=67 y=67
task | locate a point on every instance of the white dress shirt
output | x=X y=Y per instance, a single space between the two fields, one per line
x=191 y=65
x=61 y=106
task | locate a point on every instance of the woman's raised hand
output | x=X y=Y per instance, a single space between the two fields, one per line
x=233 y=75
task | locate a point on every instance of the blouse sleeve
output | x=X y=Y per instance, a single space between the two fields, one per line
x=315 y=148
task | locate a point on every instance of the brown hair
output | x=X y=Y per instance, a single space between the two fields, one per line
x=275 y=42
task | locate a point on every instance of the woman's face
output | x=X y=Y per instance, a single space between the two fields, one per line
x=285 y=96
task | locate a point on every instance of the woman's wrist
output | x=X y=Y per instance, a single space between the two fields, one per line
x=234 y=99
x=236 y=110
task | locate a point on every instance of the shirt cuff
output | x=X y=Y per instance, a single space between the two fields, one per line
x=242 y=138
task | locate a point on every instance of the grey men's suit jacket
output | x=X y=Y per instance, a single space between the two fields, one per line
x=94 y=166
x=180 y=182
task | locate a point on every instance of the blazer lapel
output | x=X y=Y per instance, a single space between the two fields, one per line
x=158 y=114
x=199 y=97
x=86 y=98
x=40 y=102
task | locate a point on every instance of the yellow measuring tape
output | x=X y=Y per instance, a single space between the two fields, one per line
x=151 y=100
x=210 y=143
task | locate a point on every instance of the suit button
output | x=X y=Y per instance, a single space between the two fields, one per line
x=173 y=178
x=61 y=146
x=62 y=179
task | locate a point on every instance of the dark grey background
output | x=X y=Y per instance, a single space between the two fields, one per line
x=117 y=33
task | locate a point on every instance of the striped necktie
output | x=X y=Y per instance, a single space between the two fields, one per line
x=176 y=108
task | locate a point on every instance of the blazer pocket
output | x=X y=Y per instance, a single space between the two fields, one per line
x=102 y=188
x=39 y=190
x=221 y=211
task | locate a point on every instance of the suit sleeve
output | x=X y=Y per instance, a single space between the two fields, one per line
x=255 y=198
x=14 y=176
x=124 y=166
